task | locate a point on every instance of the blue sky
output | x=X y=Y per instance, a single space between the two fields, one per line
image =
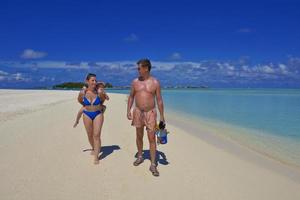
x=215 y=43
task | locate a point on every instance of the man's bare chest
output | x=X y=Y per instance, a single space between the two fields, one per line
x=145 y=87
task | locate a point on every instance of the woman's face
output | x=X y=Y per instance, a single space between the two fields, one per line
x=91 y=82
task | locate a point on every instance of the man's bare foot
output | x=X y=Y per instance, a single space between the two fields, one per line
x=138 y=161
x=154 y=170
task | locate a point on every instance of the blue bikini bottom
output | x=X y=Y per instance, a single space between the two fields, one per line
x=92 y=114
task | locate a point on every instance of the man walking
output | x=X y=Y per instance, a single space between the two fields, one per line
x=144 y=90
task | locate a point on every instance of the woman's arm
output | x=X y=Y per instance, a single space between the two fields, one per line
x=80 y=97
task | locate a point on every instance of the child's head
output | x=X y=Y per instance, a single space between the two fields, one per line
x=100 y=85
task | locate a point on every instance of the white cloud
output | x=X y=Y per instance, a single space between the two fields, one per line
x=230 y=73
x=205 y=70
x=32 y=54
x=131 y=38
x=245 y=68
x=17 y=76
x=229 y=67
x=283 y=68
x=80 y=65
x=52 y=64
x=43 y=79
x=162 y=66
x=245 y=30
x=267 y=69
x=3 y=73
x=2 y=78
x=46 y=64
x=175 y=56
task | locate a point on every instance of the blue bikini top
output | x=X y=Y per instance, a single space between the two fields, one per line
x=96 y=102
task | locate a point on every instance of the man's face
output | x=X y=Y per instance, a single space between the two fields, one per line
x=142 y=70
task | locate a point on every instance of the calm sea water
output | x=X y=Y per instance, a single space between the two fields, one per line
x=267 y=119
x=271 y=111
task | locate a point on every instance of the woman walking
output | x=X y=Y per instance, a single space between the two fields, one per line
x=92 y=117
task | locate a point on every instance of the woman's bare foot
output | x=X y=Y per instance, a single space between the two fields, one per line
x=96 y=162
x=92 y=152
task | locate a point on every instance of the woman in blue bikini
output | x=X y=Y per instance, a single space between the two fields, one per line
x=92 y=117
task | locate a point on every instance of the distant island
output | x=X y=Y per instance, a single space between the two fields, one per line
x=79 y=85
x=75 y=85
x=187 y=87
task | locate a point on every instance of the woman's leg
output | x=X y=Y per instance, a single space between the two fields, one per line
x=97 y=126
x=88 y=124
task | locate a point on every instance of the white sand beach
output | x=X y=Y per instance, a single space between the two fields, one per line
x=43 y=157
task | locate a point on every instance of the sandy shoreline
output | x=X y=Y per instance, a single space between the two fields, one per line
x=234 y=147
x=43 y=158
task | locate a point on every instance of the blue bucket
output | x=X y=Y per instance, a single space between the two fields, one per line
x=164 y=139
x=162 y=136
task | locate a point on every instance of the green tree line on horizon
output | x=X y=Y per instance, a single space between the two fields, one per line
x=75 y=85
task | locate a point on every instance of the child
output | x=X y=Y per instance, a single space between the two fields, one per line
x=100 y=89
x=161 y=133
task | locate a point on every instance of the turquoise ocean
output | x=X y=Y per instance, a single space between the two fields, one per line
x=265 y=120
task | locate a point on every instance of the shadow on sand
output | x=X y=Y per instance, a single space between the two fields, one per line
x=161 y=157
x=105 y=150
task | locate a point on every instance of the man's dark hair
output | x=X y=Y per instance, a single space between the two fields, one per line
x=145 y=63
x=90 y=75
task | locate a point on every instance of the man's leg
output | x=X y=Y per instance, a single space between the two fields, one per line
x=139 y=140
x=139 y=145
x=152 y=145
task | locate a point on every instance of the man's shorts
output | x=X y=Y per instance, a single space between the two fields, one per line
x=142 y=118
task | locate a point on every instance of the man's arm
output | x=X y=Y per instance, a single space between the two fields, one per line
x=160 y=102
x=130 y=102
